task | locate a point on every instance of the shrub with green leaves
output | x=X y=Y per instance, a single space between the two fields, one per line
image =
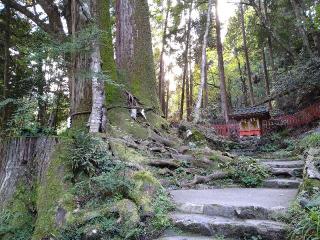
x=312 y=140
x=246 y=171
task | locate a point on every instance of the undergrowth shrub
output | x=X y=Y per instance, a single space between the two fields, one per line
x=312 y=140
x=304 y=223
x=246 y=171
x=17 y=220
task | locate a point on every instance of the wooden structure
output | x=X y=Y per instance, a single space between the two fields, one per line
x=250 y=120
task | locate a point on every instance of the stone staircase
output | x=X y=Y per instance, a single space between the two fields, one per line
x=237 y=213
x=286 y=173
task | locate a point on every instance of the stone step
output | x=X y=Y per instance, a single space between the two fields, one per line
x=284 y=164
x=287 y=172
x=191 y=237
x=244 y=203
x=282 y=183
x=230 y=228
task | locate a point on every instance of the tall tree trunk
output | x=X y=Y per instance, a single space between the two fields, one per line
x=246 y=54
x=191 y=86
x=161 y=91
x=205 y=89
x=243 y=81
x=167 y=99
x=134 y=50
x=98 y=112
x=301 y=26
x=6 y=65
x=185 y=62
x=223 y=91
x=269 y=40
x=266 y=75
x=266 y=25
x=203 y=64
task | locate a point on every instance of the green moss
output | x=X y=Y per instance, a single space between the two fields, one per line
x=52 y=194
x=128 y=154
x=18 y=218
x=123 y=124
x=309 y=185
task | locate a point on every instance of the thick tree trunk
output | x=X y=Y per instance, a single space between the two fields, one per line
x=266 y=76
x=302 y=27
x=161 y=77
x=185 y=62
x=203 y=64
x=246 y=54
x=134 y=50
x=223 y=91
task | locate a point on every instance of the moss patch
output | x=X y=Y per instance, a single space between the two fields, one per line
x=53 y=194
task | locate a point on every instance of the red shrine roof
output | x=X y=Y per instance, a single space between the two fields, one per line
x=261 y=112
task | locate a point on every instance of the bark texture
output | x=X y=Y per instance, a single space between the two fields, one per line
x=134 y=55
x=23 y=159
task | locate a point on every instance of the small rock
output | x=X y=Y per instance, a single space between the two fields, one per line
x=165 y=172
x=183 y=149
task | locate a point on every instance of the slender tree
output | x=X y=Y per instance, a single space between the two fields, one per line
x=203 y=64
x=185 y=60
x=223 y=90
x=266 y=75
x=246 y=54
x=301 y=26
x=161 y=83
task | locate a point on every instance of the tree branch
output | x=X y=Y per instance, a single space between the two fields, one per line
x=24 y=10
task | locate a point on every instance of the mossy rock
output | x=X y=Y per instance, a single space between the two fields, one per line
x=197 y=137
x=128 y=154
x=128 y=212
x=146 y=186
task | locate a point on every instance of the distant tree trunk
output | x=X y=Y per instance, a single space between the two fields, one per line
x=40 y=94
x=301 y=26
x=266 y=76
x=223 y=91
x=205 y=89
x=203 y=65
x=161 y=91
x=6 y=63
x=269 y=39
x=246 y=54
x=191 y=87
x=185 y=62
x=188 y=96
x=243 y=81
x=134 y=50
x=167 y=99
x=266 y=25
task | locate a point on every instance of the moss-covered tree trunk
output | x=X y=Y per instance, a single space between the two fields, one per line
x=134 y=55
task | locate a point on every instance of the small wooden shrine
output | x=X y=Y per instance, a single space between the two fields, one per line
x=250 y=120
